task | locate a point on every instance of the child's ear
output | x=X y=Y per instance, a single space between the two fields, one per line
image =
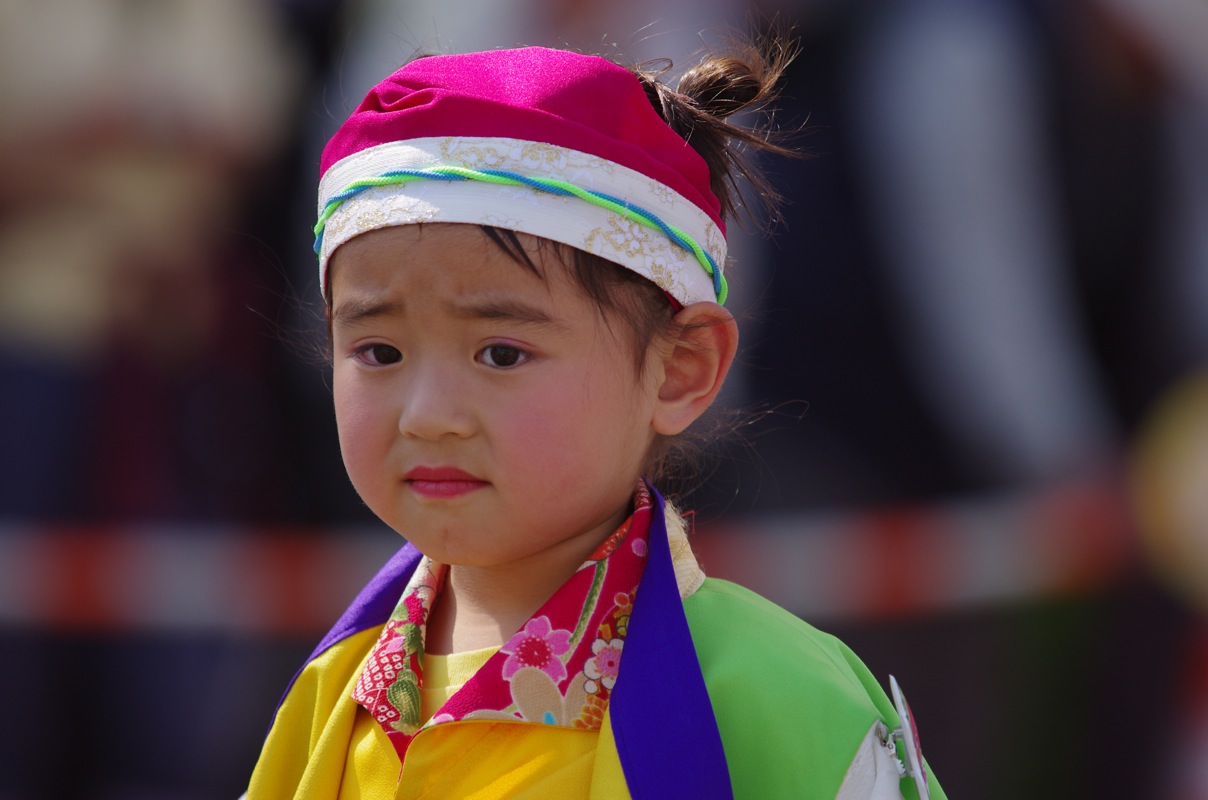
x=694 y=365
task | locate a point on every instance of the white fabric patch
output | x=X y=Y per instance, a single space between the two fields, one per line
x=874 y=773
x=578 y=223
x=688 y=575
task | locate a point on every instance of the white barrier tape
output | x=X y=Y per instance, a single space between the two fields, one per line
x=227 y=579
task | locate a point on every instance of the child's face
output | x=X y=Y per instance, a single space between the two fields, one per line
x=487 y=414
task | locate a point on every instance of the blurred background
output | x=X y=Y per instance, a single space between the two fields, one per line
x=976 y=353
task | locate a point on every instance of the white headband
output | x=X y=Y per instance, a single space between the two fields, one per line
x=548 y=191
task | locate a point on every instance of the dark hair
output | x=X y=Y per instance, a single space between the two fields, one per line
x=742 y=78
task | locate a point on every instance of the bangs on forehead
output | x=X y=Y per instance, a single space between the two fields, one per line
x=620 y=297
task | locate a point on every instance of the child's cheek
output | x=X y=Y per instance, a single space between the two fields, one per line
x=359 y=422
x=555 y=435
x=535 y=423
x=535 y=430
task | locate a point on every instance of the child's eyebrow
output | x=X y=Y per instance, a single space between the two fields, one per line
x=507 y=310
x=358 y=310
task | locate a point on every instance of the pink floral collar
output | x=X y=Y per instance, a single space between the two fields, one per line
x=559 y=669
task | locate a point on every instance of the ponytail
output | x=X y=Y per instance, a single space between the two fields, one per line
x=743 y=78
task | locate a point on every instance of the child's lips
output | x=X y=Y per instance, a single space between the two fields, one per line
x=442 y=482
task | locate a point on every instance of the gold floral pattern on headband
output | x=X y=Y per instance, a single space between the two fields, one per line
x=663 y=192
x=536 y=157
x=622 y=235
x=379 y=209
x=652 y=256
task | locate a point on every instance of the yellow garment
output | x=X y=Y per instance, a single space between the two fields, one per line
x=328 y=746
x=486 y=759
x=310 y=740
x=444 y=675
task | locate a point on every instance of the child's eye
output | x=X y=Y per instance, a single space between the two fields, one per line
x=378 y=354
x=503 y=356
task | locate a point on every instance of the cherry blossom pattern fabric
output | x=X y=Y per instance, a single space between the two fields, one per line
x=558 y=669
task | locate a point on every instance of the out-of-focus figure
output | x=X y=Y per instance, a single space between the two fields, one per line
x=134 y=383
x=136 y=377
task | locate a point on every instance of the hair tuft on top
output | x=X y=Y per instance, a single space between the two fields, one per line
x=743 y=78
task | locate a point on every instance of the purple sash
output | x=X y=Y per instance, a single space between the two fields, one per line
x=666 y=734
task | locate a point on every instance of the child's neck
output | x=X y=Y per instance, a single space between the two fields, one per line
x=482 y=606
x=475 y=611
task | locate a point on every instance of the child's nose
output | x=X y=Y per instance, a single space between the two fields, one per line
x=434 y=404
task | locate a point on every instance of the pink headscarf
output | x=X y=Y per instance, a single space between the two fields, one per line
x=560 y=145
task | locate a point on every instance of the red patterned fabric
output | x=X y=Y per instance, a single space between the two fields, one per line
x=558 y=669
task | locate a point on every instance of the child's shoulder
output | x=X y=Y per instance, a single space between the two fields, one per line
x=794 y=704
x=728 y=621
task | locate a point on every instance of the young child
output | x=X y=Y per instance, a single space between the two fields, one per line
x=521 y=253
